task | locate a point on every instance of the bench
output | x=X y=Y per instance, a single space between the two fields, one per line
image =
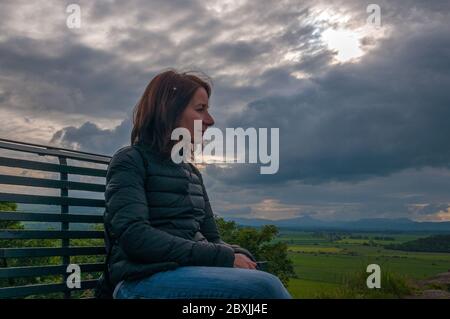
x=20 y=246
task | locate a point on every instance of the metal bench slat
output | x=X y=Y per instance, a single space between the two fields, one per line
x=45 y=251
x=50 y=217
x=51 y=147
x=63 y=233
x=49 y=167
x=56 y=152
x=51 y=200
x=49 y=234
x=21 y=291
x=35 y=271
x=50 y=183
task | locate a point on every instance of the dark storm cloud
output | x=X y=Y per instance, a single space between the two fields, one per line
x=90 y=138
x=81 y=80
x=402 y=194
x=63 y=73
x=352 y=135
x=240 y=52
x=66 y=74
x=376 y=117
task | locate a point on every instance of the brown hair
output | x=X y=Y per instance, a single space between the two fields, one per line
x=159 y=109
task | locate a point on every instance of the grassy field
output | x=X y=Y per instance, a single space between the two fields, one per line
x=324 y=261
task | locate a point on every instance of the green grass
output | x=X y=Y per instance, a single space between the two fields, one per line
x=354 y=286
x=309 y=289
x=329 y=269
x=314 y=249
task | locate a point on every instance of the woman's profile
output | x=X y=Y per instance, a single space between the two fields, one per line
x=161 y=236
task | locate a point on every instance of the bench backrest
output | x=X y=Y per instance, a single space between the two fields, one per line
x=18 y=246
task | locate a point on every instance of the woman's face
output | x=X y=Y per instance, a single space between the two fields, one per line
x=197 y=109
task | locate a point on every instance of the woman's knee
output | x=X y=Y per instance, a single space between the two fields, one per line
x=268 y=285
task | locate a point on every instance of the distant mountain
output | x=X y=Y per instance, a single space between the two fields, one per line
x=367 y=224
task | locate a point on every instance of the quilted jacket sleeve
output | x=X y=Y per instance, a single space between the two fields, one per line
x=209 y=227
x=128 y=220
x=209 y=230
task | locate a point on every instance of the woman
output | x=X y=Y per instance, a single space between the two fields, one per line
x=161 y=237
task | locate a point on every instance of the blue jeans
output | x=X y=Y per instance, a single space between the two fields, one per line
x=204 y=282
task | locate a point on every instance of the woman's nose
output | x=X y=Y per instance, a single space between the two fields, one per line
x=209 y=119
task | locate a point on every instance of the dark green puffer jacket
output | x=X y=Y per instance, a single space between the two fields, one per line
x=158 y=217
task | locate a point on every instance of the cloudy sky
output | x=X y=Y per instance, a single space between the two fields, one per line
x=363 y=109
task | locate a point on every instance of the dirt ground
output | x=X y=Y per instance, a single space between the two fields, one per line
x=437 y=287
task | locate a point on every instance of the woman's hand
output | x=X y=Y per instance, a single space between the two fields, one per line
x=242 y=261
